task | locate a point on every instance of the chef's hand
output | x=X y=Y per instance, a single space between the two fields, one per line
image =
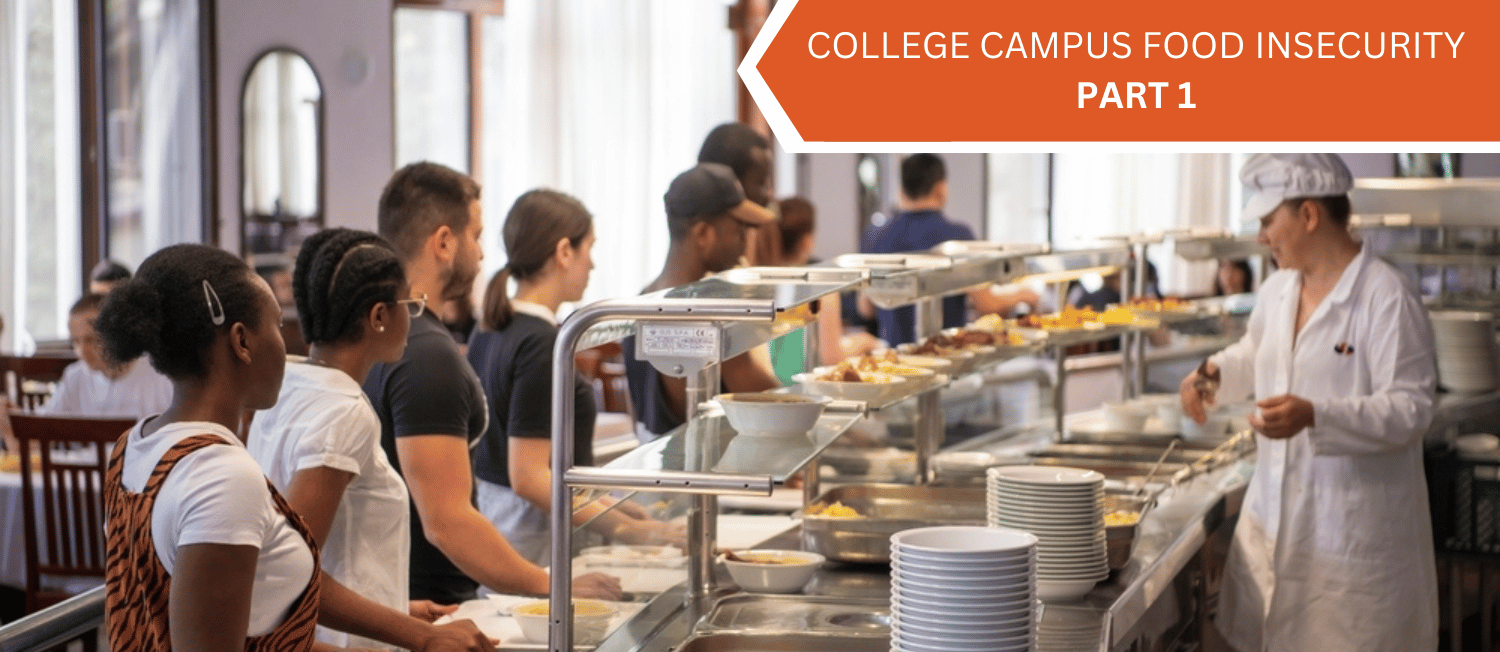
x=597 y=586
x=429 y=611
x=457 y=636
x=1196 y=401
x=651 y=532
x=1282 y=416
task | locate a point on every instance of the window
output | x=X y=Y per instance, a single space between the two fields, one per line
x=153 y=127
x=588 y=98
x=39 y=246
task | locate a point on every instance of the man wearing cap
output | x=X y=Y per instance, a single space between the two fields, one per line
x=1333 y=549
x=708 y=218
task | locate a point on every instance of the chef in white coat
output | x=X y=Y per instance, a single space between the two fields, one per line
x=1333 y=550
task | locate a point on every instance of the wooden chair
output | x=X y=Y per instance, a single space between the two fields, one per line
x=72 y=505
x=41 y=369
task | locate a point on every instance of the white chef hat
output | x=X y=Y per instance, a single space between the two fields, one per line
x=1270 y=179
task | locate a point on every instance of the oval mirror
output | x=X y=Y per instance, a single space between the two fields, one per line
x=281 y=109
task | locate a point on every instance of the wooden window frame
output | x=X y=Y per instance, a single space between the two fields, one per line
x=475 y=11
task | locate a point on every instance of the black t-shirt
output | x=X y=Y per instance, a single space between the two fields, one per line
x=646 y=393
x=432 y=390
x=515 y=369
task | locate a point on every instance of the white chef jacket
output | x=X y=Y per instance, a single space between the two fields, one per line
x=1333 y=550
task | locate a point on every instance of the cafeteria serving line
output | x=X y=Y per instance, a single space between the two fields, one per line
x=1164 y=401
x=1013 y=482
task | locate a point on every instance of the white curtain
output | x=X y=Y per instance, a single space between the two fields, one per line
x=607 y=101
x=1101 y=194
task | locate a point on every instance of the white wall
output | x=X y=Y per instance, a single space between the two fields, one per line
x=348 y=43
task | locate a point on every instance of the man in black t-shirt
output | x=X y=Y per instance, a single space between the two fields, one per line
x=430 y=403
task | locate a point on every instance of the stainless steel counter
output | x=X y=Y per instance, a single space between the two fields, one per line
x=1156 y=599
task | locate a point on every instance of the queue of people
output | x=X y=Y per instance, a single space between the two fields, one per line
x=390 y=474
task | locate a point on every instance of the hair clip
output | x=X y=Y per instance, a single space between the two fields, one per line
x=215 y=307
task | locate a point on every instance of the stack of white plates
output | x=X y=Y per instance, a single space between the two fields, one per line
x=1064 y=508
x=963 y=588
x=1465 y=350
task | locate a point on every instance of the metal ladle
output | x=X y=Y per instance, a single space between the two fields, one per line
x=1146 y=483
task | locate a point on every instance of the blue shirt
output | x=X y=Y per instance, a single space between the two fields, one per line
x=916 y=231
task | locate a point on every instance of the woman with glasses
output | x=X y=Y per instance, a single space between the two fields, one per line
x=320 y=444
x=203 y=553
x=549 y=241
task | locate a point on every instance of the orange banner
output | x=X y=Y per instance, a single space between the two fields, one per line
x=1173 y=70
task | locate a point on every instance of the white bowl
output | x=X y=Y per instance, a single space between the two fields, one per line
x=1048 y=476
x=1123 y=416
x=960 y=541
x=762 y=413
x=878 y=387
x=591 y=619
x=1063 y=590
x=785 y=571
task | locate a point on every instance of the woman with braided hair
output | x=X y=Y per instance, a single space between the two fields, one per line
x=549 y=242
x=320 y=444
x=203 y=553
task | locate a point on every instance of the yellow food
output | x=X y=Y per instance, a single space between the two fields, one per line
x=1117 y=316
x=836 y=510
x=1069 y=318
x=1122 y=517
x=579 y=609
x=767 y=558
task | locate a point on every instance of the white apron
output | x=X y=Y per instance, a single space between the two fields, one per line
x=1333 y=550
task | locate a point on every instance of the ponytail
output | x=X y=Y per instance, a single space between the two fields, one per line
x=497 y=311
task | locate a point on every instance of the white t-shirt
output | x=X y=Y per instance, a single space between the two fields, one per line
x=322 y=419
x=218 y=495
x=83 y=392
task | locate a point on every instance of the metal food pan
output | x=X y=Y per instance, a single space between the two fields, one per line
x=885 y=509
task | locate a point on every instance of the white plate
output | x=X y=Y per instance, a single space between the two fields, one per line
x=1006 y=587
x=1051 y=476
x=962 y=541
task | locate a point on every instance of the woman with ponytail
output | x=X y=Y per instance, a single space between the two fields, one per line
x=549 y=241
x=320 y=444
x=203 y=553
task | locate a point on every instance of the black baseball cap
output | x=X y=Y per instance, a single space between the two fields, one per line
x=710 y=189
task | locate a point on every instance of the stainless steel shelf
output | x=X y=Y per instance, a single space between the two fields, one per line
x=708 y=443
x=1443 y=259
x=1426 y=203
x=1214 y=247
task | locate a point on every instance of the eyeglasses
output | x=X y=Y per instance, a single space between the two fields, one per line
x=415 y=306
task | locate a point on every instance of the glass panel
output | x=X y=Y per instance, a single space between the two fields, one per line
x=280 y=115
x=709 y=443
x=39 y=237
x=432 y=87
x=153 y=126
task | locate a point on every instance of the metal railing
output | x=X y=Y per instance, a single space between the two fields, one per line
x=77 y=617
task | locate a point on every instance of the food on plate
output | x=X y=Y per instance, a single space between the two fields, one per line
x=845 y=372
x=580 y=608
x=1122 y=517
x=1117 y=316
x=836 y=510
x=1160 y=305
x=767 y=558
x=1069 y=318
x=947 y=344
